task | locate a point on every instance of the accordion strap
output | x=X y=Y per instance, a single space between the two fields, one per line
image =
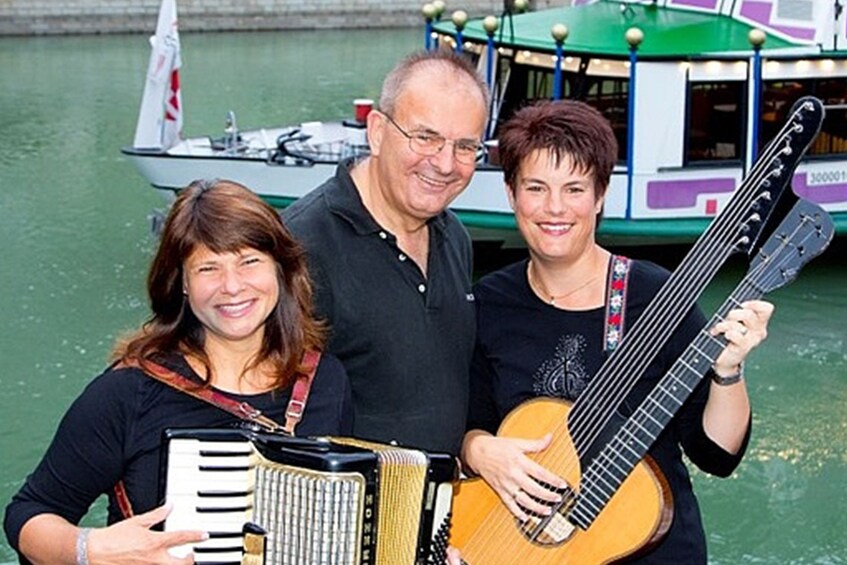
x=293 y=412
x=243 y=410
x=300 y=391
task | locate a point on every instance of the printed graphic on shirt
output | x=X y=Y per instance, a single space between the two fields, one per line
x=563 y=376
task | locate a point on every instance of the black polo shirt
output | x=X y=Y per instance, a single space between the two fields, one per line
x=405 y=339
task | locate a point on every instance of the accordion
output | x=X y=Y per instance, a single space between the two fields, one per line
x=272 y=499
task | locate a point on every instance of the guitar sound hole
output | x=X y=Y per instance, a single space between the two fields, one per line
x=553 y=529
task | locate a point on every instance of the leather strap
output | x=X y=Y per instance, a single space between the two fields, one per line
x=300 y=391
x=293 y=412
x=122 y=498
x=243 y=410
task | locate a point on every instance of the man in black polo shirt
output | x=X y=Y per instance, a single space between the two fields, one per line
x=392 y=266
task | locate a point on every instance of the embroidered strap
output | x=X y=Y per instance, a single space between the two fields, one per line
x=616 y=302
x=293 y=412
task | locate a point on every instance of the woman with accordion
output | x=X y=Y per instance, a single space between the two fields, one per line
x=231 y=328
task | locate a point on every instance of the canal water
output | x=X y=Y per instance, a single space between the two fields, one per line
x=75 y=244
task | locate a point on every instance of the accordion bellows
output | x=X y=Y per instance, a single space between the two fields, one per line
x=276 y=500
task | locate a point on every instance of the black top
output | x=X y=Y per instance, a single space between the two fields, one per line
x=405 y=339
x=113 y=432
x=527 y=348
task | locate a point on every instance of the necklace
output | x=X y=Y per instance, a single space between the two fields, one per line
x=551 y=299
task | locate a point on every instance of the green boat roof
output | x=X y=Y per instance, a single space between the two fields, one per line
x=598 y=29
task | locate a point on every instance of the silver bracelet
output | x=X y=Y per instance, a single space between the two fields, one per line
x=82 y=546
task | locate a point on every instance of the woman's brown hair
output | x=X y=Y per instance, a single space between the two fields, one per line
x=226 y=217
x=562 y=127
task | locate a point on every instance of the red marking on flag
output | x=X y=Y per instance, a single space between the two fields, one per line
x=172 y=111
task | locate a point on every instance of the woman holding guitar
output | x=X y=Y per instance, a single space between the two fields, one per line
x=547 y=324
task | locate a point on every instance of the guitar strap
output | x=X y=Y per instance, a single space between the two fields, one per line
x=616 y=302
x=293 y=412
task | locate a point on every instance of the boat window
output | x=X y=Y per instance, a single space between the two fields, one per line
x=608 y=94
x=779 y=96
x=715 y=121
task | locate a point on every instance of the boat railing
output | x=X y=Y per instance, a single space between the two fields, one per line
x=302 y=149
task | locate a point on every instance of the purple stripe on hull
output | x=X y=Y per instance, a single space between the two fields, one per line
x=684 y=193
x=821 y=193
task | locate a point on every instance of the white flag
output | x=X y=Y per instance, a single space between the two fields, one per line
x=160 y=118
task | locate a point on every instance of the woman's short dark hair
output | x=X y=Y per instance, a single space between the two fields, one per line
x=562 y=127
x=225 y=216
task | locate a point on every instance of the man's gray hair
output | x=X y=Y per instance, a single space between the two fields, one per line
x=445 y=59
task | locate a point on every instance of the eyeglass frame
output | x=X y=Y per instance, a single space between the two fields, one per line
x=478 y=149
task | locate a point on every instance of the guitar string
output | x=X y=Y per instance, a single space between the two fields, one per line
x=497 y=529
x=594 y=412
x=631 y=352
x=772 y=150
x=677 y=303
x=642 y=341
x=672 y=305
x=746 y=290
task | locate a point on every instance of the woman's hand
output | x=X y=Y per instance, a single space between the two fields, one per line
x=727 y=412
x=744 y=328
x=517 y=479
x=132 y=542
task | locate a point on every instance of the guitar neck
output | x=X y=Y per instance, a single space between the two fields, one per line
x=736 y=229
x=631 y=442
x=804 y=233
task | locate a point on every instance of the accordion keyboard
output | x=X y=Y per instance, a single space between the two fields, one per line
x=210 y=485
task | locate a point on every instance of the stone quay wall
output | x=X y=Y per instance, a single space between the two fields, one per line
x=55 y=17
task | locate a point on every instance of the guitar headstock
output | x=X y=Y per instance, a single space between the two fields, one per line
x=773 y=171
x=803 y=234
x=803 y=123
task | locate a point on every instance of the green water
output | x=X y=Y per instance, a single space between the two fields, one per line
x=75 y=246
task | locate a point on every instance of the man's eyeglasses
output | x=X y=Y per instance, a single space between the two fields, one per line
x=429 y=143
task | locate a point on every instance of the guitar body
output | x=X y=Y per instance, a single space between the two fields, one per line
x=637 y=516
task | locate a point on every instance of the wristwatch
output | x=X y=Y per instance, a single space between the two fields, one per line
x=729 y=380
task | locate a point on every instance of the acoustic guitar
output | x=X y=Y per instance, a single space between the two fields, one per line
x=617 y=502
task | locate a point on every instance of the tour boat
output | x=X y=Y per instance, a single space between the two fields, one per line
x=693 y=89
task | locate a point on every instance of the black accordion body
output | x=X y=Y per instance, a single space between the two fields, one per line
x=277 y=500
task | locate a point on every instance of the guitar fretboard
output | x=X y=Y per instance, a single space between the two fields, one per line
x=630 y=444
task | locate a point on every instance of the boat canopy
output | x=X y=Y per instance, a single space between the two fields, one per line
x=598 y=30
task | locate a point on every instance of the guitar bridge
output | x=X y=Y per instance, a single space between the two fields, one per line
x=554 y=529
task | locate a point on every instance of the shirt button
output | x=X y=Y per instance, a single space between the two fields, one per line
x=383 y=235
x=421 y=288
x=402 y=257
